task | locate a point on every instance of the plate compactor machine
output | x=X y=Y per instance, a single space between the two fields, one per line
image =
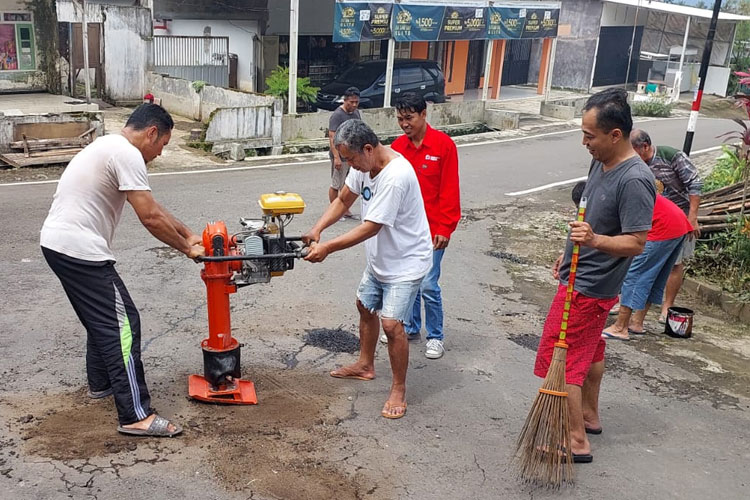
x=258 y=252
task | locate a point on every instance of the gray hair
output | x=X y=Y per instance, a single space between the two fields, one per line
x=639 y=138
x=355 y=135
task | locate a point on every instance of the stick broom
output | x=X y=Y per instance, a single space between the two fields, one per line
x=543 y=448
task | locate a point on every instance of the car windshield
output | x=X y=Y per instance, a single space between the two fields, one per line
x=360 y=75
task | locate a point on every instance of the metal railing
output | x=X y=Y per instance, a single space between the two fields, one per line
x=193 y=58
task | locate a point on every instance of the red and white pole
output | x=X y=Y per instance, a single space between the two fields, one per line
x=693 y=120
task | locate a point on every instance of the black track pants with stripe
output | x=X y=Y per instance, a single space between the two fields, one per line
x=113 y=328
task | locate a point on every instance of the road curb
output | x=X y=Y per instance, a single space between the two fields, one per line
x=714 y=295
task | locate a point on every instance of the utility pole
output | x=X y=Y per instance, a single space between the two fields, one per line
x=701 y=79
x=293 y=32
x=389 y=73
x=85 y=42
x=632 y=42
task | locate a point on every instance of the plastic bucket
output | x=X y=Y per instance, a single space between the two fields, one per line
x=679 y=322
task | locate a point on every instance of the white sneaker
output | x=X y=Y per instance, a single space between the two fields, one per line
x=383 y=338
x=435 y=349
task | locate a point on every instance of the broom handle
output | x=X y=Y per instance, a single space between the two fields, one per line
x=571 y=276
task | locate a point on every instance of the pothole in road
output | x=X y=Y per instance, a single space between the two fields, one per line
x=526 y=340
x=337 y=340
x=507 y=256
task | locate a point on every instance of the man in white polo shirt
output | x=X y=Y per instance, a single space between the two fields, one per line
x=76 y=241
x=398 y=246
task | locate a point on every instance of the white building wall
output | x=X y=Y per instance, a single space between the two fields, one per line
x=242 y=37
x=128 y=51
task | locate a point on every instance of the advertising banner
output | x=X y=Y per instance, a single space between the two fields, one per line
x=520 y=22
x=505 y=22
x=415 y=23
x=364 y=21
x=361 y=21
x=463 y=23
x=541 y=23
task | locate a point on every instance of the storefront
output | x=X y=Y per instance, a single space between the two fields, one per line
x=17 y=51
x=18 y=58
x=459 y=35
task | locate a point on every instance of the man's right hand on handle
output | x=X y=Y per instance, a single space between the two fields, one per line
x=310 y=237
x=196 y=251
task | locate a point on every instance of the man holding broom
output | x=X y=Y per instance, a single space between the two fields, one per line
x=620 y=197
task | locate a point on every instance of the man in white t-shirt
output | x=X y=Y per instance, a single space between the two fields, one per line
x=398 y=247
x=76 y=241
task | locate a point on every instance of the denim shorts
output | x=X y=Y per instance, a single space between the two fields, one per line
x=688 y=250
x=648 y=273
x=392 y=300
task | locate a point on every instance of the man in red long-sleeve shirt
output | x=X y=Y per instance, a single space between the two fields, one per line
x=435 y=160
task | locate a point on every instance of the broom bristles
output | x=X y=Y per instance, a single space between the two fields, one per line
x=541 y=457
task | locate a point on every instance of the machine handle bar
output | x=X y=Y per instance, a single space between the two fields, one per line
x=229 y=258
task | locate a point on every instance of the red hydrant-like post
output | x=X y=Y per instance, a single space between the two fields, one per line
x=217 y=276
x=221 y=352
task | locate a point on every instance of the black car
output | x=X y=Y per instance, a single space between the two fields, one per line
x=409 y=75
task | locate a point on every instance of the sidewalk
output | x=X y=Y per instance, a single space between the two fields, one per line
x=40 y=103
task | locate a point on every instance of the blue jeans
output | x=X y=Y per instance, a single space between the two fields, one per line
x=433 y=303
x=648 y=273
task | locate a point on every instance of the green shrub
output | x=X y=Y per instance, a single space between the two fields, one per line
x=724 y=258
x=728 y=171
x=278 y=85
x=654 y=106
x=198 y=86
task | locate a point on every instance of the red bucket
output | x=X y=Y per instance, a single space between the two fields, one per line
x=679 y=322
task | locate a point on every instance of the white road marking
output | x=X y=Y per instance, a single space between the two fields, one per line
x=547 y=186
x=577 y=179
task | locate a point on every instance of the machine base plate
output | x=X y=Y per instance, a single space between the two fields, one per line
x=243 y=392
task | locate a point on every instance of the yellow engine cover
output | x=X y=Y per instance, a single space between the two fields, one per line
x=281 y=203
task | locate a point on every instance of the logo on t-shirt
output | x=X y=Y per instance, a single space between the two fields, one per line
x=367 y=193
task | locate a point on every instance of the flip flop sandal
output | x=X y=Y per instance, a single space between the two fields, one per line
x=388 y=406
x=578 y=458
x=159 y=428
x=583 y=458
x=609 y=336
x=356 y=377
x=633 y=332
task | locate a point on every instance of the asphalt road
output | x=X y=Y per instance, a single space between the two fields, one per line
x=465 y=410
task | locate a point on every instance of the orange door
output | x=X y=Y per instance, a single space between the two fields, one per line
x=454 y=66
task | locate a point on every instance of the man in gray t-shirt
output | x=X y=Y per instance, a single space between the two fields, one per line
x=339 y=167
x=619 y=201
x=620 y=197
